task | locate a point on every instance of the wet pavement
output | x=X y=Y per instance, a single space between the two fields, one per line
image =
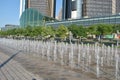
x=47 y=70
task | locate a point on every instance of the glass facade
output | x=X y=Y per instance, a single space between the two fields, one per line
x=117 y=6
x=33 y=17
x=94 y=8
x=22 y=7
x=46 y=7
x=114 y=19
x=90 y=8
x=66 y=10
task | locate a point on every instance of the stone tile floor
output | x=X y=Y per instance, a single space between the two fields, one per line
x=26 y=66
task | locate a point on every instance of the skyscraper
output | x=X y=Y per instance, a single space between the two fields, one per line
x=95 y=8
x=46 y=7
x=22 y=7
x=77 y=9
x=117 y=6
x=66 y=10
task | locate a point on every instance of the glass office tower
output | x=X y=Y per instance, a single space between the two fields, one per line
x=22 y=7
x=36 y=12
x=46 y=7
x=77 y=9
x=89 y=12
x=117 y=6
x=66 y=10
x=72 y=9
x=95 y=8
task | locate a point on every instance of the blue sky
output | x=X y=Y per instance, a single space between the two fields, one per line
x=9 y=11
x=58 y=6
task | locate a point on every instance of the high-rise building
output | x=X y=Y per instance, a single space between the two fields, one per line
x=22 y=7
x=77 y=9
x=117 y=6
x=66 y=10
x=46 y=7
x=95 y=8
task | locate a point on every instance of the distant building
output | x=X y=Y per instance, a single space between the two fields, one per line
x=113 y=19
x=66 y=9
x=22 y=7
x=9 y=26
x=117 y=6
x=46 y=7
x=36 y=12
x=77 y=9
x=94 y=8
x=32 y=17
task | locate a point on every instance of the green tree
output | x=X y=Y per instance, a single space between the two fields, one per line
x=104 y=29
x=92 y=29
x=62 y=32
x=28 y=31
x=19 y=31
x=74 y=29
x=77 y=31
x=116 y=28
x=82 y=31
x=47 y=31
x=100 y=29
x=36 y=31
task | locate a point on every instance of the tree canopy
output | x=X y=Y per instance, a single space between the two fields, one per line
x=77 y=31
x=62 y=31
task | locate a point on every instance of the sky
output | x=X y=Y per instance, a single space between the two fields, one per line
x=9 y=11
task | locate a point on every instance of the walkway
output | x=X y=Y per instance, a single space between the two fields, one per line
x=12 y=70
x=26 y=66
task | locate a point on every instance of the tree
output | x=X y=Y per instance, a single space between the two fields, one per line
x=104 y=29
x=100 y=29
x=35 y=31
x=62 y=32
x=92 y=30
x=28 y=30
x=82 y=31
x=74 y=29
x=47 y=31
x=77 y=31
x=19 y=31
x=116 y=28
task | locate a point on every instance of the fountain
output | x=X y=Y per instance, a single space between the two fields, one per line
x=88 y=58
x=55 y=53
